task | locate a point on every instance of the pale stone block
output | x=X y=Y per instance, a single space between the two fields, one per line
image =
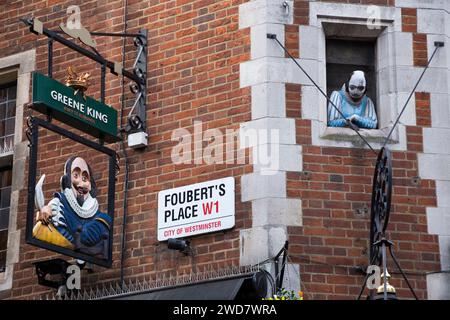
x=269 y=100
x=277 y=211
x=254 y=246
x=434 y=166
x=267 y=130
x=12 y=255
x=6 y=278
x=394 y=49
x=265 y=11
x=312 y=103
x=23 y=88
x=403 y=49
x=309 y=44
x=384 y=50
x=277 y=239
x=261 y=46
x=444 y=249
x=438 y=221
x=430 y=21
x=440 y=110
x=434 y=80
x=436 y=140
x=437 y=286
x=270 y=158
x=256 y=186
x=432 y=4
x=443 y=193
x=390 y=106
x=25 y=60
x=259 y=244
x=271 y=69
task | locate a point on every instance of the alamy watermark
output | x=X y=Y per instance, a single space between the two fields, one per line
x=215 y=146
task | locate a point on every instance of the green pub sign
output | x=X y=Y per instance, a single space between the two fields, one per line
x=81 y=112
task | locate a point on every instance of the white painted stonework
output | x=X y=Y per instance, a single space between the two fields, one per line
x=266 y=73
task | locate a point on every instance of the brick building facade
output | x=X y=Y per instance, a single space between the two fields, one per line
x=211 y=61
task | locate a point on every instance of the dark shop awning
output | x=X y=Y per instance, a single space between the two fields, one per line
x=235 y=283
x=215 y=290
x=250 y=286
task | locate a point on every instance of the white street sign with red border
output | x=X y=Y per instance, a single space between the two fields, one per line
x=196 y=209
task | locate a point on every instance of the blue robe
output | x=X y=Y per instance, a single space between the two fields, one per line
x=93 y=229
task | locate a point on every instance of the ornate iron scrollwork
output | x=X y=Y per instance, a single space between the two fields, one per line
x=29 y=130
x=381 y=202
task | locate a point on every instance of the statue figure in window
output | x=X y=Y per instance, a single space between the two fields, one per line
x=354 y=104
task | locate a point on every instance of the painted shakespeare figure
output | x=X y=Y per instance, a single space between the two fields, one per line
x=72 y=218
x=354 y=104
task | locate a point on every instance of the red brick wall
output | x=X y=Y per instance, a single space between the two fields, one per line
x=333 y=242
x=195 y=48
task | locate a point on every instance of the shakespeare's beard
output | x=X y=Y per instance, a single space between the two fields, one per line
x=80 y=200
x=80 y=194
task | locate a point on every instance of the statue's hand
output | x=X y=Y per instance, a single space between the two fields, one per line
x=353 y=117
x=44 y=214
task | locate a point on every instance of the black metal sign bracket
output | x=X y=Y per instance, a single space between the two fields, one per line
x=137 y=115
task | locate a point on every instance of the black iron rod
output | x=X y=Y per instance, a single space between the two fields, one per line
x=125 y=156
x=108 y=34
x=50 y=57
x=84 y=52
x=383 y=251
x=350 y=124
x=403 y=274
x=103 y=83
x=283 y=266
x=410 y=96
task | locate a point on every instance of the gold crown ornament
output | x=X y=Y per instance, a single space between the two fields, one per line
x=79 y=83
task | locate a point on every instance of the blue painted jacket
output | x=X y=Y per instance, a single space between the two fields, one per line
x=365 y=111
x=93 y=229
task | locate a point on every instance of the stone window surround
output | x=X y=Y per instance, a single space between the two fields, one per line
x=22 y=64
x=390 y=101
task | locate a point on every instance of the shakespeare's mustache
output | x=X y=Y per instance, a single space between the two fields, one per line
x=81 y=190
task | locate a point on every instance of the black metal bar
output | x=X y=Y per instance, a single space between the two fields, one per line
x=103 y=83
x=349 y=123
x=126 y=178
x=87 y=53
x=403 y=274
x=112 y=34
x=283 y=266
x=32 y=168
x=50 y=57
x=108 y=34
x=111 y=199
x=383 y=252
x=438 y=45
